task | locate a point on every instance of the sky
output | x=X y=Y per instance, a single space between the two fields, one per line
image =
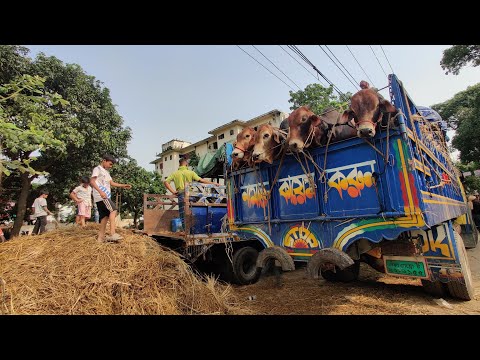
x=164 y=92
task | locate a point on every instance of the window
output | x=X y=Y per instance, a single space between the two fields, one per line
x=231 y=132
x=215 y=145
x=165 y=158
x=221 y=136
x=170 y=157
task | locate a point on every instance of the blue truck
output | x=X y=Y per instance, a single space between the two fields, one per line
x=393 y=202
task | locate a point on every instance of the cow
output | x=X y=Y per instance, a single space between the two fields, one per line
x=268 y=144
x=243 y=147
x=305 y=129
x=366 y=109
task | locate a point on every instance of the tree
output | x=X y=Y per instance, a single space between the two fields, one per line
x=127 y=171
x=89 y=128
x=317 y=97
x=193 y=159
x=458 y=56
x=471 y=183
x=462 y=113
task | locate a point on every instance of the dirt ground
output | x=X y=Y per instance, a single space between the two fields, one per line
x=374 y=293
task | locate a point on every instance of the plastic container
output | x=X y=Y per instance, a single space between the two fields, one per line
x=177 y=225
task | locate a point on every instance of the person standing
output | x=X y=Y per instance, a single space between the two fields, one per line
x=40 y=210
x=179 y=178
x=101 y=181
x=82 y=195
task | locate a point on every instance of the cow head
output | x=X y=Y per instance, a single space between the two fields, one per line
x=267 y=144
x=244 y=143
x=304 y=128
x=367 y=109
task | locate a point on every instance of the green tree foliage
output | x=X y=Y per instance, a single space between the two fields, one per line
x=470 y=183
x=193 y=159
x=90 y=125
x=458 y=56
x=24 y=123
x=317 y=97
x=462 y=112
x=127 y=171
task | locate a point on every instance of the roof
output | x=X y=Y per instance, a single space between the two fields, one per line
x=227 y=125
x=271 y=112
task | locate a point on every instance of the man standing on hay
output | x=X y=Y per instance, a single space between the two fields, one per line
x=101 y=182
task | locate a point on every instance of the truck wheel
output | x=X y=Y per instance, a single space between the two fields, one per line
x=245 y=266
x=346 y=275
x=434 y=288
x=455 y=288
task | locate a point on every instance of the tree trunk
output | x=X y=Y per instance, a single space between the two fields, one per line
x=22 y=203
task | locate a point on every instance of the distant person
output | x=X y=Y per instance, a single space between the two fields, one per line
x=82 y=195
x=476 y=210
x=2 y=236
x=179 y=178
x=101 y=182
x=40 y=210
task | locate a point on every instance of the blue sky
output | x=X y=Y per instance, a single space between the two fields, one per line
x=164 y=92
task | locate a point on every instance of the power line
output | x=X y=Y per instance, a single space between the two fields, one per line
x=299 y=63
x=377 y=60
x=277 y=67
x=368 y=77
x=354 y=85
x=348 y=72
x=295 y=49
x=266 y=68
x=381 y=47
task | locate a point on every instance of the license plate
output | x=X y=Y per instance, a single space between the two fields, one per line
x=406 y=266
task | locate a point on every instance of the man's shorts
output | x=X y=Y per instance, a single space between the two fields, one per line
x=84 y=210
x=105 y=207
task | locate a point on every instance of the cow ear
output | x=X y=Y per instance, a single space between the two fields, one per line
x=276 y=136
x=347 y=116
x=315 y=119
x=385 y=106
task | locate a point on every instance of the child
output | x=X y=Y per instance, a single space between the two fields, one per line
x=82 y=195
x=40 y=210
x=101 y=182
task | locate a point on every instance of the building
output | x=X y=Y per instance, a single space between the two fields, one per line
x=172 y=151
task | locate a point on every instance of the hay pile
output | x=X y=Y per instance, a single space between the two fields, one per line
x=67 y=272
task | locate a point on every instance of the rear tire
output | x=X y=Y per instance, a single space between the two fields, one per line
x=456 y=288
x=245 y=266
x=346 y=275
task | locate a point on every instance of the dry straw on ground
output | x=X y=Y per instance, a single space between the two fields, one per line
x=67 y=272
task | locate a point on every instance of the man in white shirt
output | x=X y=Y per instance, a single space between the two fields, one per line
x=40 y=211
x=82 y=195
x=101 y=182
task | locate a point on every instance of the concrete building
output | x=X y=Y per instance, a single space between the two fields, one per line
x=167 y=160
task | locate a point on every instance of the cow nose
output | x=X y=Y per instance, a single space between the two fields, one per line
x=366 y=132
x=255 y=156
x=235 y=154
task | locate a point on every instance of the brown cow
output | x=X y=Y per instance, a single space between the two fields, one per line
x=243 y=147
x=305 y=129
x=268 y=144
x=367 y=108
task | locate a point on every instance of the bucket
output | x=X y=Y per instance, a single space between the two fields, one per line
x=177 y=225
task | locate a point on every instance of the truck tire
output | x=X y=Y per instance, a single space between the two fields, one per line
x=245 y=266
x=456 y=288
x=346 y=275
x=434 y=288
